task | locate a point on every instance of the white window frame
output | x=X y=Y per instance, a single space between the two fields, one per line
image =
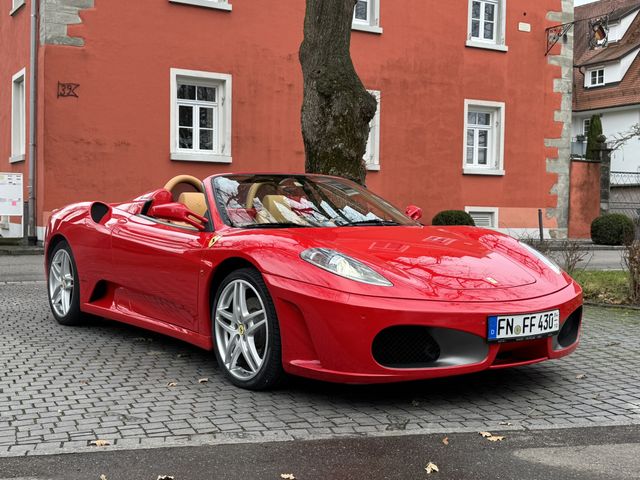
x=495 y=164
x=217 y=4
x=372 y=24
x=372 y=154
x=589 y=79
x=493 y=211
x=223 y=84
x=499 y=42
x=18 y=116
x=585 y=128
x=15 y=6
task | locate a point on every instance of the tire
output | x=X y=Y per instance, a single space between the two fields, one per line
x=247 y=344
x=63 y=286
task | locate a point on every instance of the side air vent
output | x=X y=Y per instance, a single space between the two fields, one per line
x=100 y=212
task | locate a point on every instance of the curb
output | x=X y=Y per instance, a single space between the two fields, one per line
x=611 y=305
x=15 y=251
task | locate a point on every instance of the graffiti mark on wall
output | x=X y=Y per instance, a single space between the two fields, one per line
x=68 y=90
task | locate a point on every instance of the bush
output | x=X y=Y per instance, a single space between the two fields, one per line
x=612 y=229
x=453 y=217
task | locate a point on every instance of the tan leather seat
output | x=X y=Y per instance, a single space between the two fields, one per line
x=194 y=201
x=278 y=206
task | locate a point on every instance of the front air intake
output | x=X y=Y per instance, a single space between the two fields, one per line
x=405 y=347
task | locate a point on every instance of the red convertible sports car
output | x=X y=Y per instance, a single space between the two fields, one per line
x=310 y=275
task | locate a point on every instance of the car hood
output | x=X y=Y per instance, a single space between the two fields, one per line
x=437 y=263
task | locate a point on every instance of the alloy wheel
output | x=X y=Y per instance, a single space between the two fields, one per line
x=242 y=330
x=61 y=282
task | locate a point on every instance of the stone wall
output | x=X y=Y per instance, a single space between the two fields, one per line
x=56 y=16
x=561 y=164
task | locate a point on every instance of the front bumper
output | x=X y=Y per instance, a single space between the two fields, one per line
x=328 y=335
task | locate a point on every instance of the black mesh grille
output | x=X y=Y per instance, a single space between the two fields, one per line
x=569 y=331
x=405 y=347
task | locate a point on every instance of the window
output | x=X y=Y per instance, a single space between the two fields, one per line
x=219 y=4
x=15 y=5
x=586 y=125
x=372 y=154
x=487 y=24
x=200 y=116
x=18 y=118
x=366 y=16
x=596 y=77
x=484 y=138
x=486 y=217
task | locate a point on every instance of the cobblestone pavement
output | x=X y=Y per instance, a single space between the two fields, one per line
x=62 y=387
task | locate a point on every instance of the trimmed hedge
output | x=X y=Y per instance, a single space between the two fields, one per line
x=453 y=217
x=612 y=229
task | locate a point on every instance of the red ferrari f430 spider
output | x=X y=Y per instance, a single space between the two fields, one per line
x=309 y=275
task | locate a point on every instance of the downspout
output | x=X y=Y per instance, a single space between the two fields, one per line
x=32 y=234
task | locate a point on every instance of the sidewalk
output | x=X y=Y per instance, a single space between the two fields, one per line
x=21 y=250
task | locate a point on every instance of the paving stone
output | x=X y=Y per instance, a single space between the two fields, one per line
x=63 y=387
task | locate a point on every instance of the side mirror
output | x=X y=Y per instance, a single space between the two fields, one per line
x=177 y=212
x=413 y=212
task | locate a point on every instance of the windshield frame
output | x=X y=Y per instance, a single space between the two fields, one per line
x=305 y=179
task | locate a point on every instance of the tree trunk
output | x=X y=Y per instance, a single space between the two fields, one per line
x=336 y=109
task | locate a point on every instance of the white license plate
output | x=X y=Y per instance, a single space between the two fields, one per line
x=519 y=327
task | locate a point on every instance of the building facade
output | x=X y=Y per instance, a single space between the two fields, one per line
x=472 y=114
x=607 y=80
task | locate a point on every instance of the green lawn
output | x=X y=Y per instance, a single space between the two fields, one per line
x=604 y=286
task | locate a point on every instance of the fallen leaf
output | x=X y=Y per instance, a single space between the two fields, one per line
x=84 y=382
x=491 y=437
x=103 y=477
x=580 y=376
x=99 y=443
x=431 y=467
x=611 y=344
x=415 y=403
x=506 y=423
x=288 y=476
x=445 y=440
x=203 y=380
x=171 y=384
x=165 y=477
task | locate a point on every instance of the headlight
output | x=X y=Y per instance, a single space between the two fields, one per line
x=547 y=261
x=347 y=267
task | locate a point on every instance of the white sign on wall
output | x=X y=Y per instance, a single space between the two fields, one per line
x=11 y=199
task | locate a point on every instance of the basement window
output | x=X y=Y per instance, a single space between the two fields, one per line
x=366 y=16
x=485 y=217
x=200 y=116
x=219 y=4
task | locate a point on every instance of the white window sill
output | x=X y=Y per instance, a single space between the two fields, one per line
x=17 y=7
x=200 y=157
x=373 y=168
x=487 y=46
x=482 y=171
x=361 y=27
x=206 y=4
x=17 y=158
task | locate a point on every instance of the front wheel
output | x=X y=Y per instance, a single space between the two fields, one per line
x=246 y=331
x=63 y=286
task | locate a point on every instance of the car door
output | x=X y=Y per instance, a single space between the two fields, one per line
x=157 y=267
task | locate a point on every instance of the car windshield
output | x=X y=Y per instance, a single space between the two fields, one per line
x=272 y=201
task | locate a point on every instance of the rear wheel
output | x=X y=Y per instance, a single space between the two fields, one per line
x=246 y=331
x=63 y=286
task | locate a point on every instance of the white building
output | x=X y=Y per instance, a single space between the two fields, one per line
x=607 y=80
